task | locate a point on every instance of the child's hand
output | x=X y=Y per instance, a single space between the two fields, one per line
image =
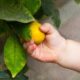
x=55 y=49
x=51 y=49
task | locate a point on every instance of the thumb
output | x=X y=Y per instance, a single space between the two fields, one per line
x=47 y=28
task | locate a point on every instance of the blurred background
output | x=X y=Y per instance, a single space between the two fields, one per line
x=70 y=28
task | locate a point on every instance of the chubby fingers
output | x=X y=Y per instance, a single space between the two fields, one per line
x=30 y=47
x=47 y=28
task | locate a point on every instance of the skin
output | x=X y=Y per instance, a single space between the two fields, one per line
x=55 y=49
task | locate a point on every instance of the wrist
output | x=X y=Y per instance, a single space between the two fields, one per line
x=60 y=50
x=70 y=56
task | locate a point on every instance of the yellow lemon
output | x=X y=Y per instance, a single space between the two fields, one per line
x=36 y=35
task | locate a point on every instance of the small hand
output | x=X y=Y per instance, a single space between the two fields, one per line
x=50 y=49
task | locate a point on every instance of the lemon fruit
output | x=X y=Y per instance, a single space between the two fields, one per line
x=36 y=35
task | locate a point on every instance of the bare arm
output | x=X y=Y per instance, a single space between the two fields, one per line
x=70 y=57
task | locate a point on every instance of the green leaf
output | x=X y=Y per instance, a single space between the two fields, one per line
x=22 y=30
x=33 y=5
x=14 y=10
x=25 y=33
x=14 y=55
x=51 y=11
x=4 y=28
x=77 y=1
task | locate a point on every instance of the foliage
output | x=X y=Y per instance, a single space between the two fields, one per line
x=14 y=10
x=15 y=15
x=14 y=55
x=52 y=11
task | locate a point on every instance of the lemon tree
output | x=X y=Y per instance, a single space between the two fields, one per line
x=19 y=21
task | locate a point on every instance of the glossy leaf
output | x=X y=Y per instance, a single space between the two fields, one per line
x=33 y=5
x=51 y=11
x=14 y=10
x=14 y=55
